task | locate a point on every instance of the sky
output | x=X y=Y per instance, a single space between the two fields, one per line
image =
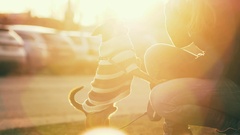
x=86 y=12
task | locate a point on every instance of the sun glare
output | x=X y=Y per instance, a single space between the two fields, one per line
x=104 y=131
x=86 y=12
x=90 y=10
x=128 y=10
x=131 y=9
x=12 y=6
x=40 y=8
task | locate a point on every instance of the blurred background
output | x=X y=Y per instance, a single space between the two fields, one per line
x=46 y=49
x=54 y=36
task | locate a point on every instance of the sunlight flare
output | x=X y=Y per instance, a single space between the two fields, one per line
x=129 y=10
x=104 y=131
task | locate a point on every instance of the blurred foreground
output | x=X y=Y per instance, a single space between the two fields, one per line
x=28 y=101
x=141 y=127
x=38 y=105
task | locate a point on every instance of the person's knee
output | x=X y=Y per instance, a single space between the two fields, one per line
x=163 y=97
x=157 y=50
x=160 y=98
x=155 y=59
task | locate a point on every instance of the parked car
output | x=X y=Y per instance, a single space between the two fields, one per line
x=12 y=52
x=62 y=53
x=59 y=48
x=81 y=44
x=55 y=50
x=35 y=46
x=86 y=49
x=94 y=43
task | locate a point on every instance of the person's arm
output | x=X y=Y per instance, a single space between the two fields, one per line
x=143 y=75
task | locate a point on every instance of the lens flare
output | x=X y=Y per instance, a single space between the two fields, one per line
x=104 y=131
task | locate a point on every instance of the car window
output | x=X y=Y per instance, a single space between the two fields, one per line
x=5 y=35
x=26 y=37
x=8 y=36
x=55 y=39
x=77 y=40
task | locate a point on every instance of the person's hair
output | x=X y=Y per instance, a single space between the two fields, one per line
x=197 y=14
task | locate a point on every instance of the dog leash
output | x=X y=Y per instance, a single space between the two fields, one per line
x=133 y=120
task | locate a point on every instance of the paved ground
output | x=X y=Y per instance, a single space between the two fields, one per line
x=37 y=100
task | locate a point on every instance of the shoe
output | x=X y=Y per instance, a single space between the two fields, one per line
x=230 y=131
x=232 y=127
x=176 y=130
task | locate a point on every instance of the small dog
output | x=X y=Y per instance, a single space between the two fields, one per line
x=117 y=66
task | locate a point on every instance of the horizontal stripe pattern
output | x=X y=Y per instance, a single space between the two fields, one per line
x=111 y=100
x=116 y=67
x=124 y=55
x=112 y=81
x=104 y=83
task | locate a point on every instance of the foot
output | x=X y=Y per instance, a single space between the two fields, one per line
x=233 y=129
x=230 y=132
x=99 y=118
x=176 y=130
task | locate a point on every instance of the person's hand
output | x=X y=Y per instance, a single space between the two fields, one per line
x=100 y=118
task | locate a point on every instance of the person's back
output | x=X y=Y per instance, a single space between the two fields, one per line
x=232 y=72
x=212 y=26
x=226 y=37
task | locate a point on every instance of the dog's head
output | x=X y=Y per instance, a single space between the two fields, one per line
x=110 y=29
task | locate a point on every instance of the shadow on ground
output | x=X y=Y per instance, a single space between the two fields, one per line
x=140 y=127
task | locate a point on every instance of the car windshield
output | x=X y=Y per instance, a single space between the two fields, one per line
x=6 y=35
x=26 y=36
x=77 y=40
x=54 y=39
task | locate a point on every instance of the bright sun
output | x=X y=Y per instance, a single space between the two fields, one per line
x=125 y=9
x=104 y=131
x=87 y=12
x=131 y=9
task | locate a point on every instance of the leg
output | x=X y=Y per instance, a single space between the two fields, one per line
x=197 y=102
x=168 y=62
x=165 y=61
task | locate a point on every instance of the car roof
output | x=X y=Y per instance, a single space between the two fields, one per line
x=32 y=28
x=11 y=33
x=76 y=33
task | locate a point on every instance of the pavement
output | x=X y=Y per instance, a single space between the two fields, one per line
x=27 y=101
